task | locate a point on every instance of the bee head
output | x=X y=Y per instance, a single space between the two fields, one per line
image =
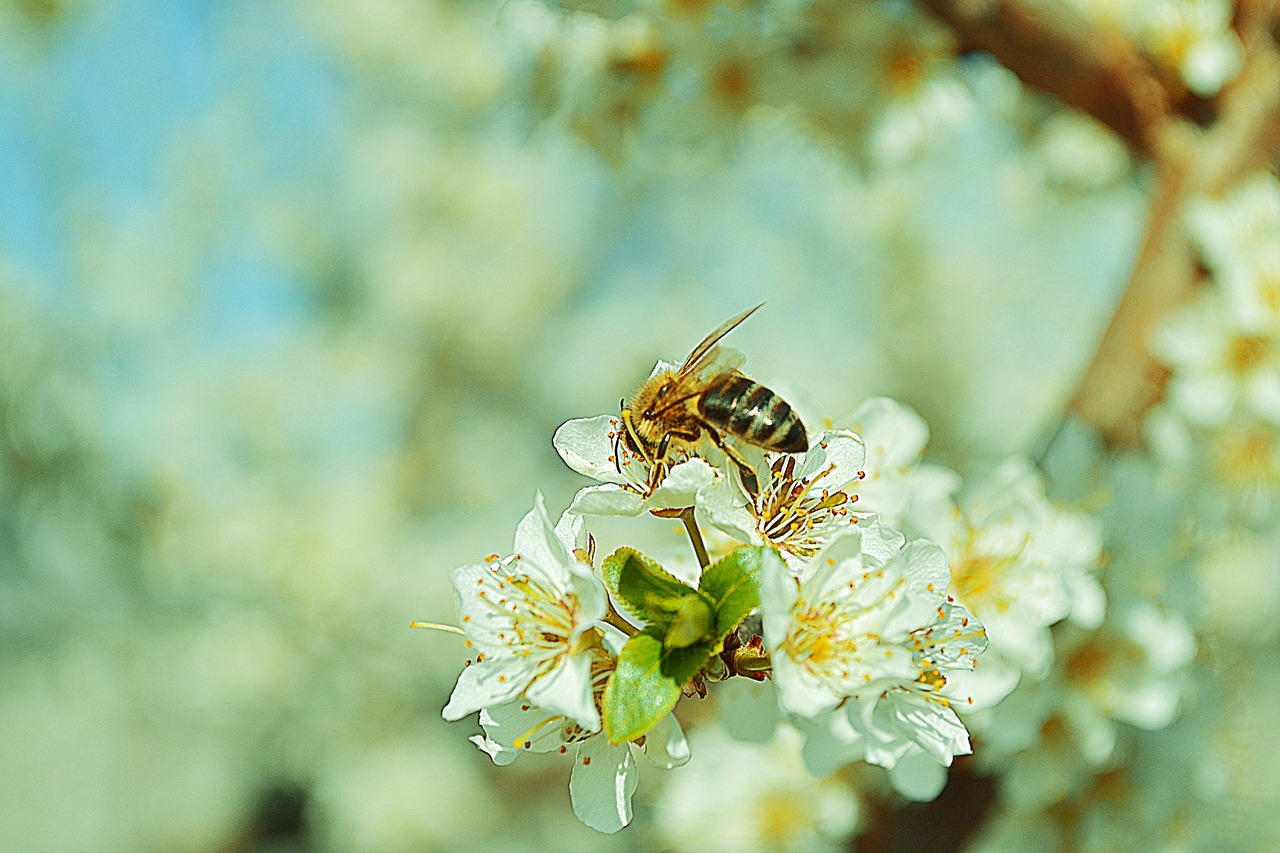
x=655 y=402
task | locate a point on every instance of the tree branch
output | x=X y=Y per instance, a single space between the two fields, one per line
x=1053 y=49
x=1105 y=75
x=1124 y=381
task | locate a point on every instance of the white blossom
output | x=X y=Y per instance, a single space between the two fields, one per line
x=594 y=447
x=1020 y=564
x=1050 y=736
x=875 y=639
x=1220 y=366
x=1231 y=228
x=605 y=775
x=804 y=500
x=530 y=618
x=777 y=806
x=1192 y=37
x=895 y=437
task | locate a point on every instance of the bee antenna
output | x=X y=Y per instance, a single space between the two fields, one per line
x=622 y=403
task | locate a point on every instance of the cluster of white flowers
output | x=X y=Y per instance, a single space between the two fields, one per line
x=883 y=645
x=1222 y=406
x=204 y=545
x=853 y=623
x=634 y=74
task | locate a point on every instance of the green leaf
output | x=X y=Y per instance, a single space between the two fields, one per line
x=648 y=590
x=639 y=694
x=680 y=665
x=693 y=621
x=733 y=583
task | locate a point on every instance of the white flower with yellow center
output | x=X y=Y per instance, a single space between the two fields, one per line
x=1251 y=286
x=804 y=500
x=1238 y=463
x=1193 y=38
x=605 y=775
x=875 y=638
x=1219 y=365
x=895 y=437
x=530 y=619
x=595 y=447
x=1243 y=221
x=705 y=808
x=1020 y=564
x=1047 y=738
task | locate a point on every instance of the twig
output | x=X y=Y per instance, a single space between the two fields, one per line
x=695 y=536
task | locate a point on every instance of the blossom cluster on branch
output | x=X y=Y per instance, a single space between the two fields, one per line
x=890 y=608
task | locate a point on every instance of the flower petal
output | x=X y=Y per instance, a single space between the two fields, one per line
x=987 y=685
x=917 y=777
x=603 y=781
x=665 y=744
x=800 y=692
x=585 y=446
x=934 y=728
x=566 y=690
x=481 y=685
x=519 y=726
x=843 y=451
x=680 y=487
x=607 y=499
x=501 y=755
x=779 y=591
x=725 y=507
x=895 y=435
x=540 y=547
x=831 y=744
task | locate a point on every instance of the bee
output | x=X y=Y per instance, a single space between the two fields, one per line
x=708 y=397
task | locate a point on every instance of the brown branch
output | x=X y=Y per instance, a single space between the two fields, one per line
x=1124 y=381
x=1053 y=49
x=1105 y=75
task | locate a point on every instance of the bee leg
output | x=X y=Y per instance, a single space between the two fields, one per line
x=660 y=458
x=745 y=470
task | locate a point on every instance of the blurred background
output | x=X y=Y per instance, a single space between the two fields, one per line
x=293 y=296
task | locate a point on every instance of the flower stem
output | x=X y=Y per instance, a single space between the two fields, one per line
x=614 y=618
x=695 y=536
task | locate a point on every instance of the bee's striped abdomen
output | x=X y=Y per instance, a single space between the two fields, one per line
x=753 y=413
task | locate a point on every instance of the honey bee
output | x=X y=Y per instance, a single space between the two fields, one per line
x=708 y=397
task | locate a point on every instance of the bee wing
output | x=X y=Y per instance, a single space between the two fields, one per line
x=708 y=345
x=714 y=362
